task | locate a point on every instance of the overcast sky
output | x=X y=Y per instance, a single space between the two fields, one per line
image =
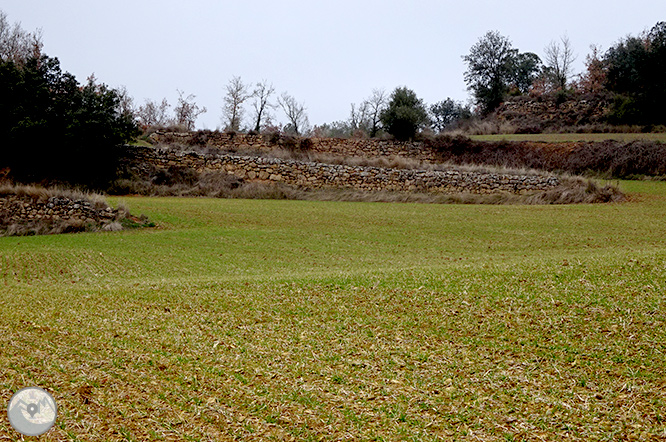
x=326 y=54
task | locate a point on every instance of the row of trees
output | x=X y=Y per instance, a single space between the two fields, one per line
x=495 y=70
x=153 y=114
x=401 y=114
x=237 y=93
x=630 y=74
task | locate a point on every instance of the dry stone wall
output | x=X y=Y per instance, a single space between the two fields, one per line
x=549 y=112
x=346 y=147
x=318 y=175
x=19 y=210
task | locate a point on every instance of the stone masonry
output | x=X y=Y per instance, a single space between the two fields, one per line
x=346 y=147
x=319 y=175
x=15 y=209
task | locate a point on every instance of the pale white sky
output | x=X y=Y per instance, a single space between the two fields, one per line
x=326 y=54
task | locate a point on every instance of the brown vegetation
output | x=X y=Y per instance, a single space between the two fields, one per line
x=608 y=159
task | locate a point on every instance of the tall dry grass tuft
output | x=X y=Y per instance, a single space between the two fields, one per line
x=42 y=194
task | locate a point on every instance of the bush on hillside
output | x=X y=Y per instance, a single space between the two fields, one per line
x=404 y=115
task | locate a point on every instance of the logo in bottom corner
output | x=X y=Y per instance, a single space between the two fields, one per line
x=32 y=411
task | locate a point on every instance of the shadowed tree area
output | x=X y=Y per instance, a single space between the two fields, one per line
x=635 y=72
x=52 y=127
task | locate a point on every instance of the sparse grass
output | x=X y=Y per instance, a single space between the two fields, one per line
x=42 y=194
x=572 y=137
x=274 y=320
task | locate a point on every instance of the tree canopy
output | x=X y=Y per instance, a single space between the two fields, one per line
x=490 y=65
x=56 y=129
x=635 y=72
x=404 y=115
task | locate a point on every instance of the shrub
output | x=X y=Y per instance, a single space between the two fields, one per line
x=175 y=175
x=404 y=115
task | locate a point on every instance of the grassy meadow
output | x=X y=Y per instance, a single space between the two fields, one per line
x=299 y=320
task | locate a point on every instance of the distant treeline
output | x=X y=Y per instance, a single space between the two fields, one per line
x=52 y=128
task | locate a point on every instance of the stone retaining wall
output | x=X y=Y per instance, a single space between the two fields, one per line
x=548 y=111
x=346 y=147
x=318 y=175
x=19 y=210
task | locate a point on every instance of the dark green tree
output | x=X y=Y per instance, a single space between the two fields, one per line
x=404 y=115
x=55 y=129
x=635 y=72
x=490 y=68
x=446 y=113
x=525 y=68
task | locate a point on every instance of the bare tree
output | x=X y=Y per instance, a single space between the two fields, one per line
x=17 y=45
x=187 y=111
x=295 y=112
x=261 y=104
x=153 y=114
x=126 y=102
x=359 y=118
x=559 y=57
x=367 y=116
x=376 y=104
x=237 y=94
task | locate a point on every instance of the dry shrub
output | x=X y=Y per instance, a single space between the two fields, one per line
x=488 y=126
x=611 y=159
x=41 y=194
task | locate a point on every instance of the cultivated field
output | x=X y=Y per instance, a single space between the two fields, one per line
x=572 y=137
x=279 y=320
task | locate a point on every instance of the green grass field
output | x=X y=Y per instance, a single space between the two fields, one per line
x=563 y=138
x=293 y=320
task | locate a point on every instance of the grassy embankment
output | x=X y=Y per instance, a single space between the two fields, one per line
x=321 y=320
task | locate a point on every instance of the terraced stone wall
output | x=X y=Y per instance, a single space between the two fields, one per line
x=319 y=175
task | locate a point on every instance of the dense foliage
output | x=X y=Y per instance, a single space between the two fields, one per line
x=404 y=115
x=53 y=128
x=495 y=68
x=635 y=73
x=447 y=113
